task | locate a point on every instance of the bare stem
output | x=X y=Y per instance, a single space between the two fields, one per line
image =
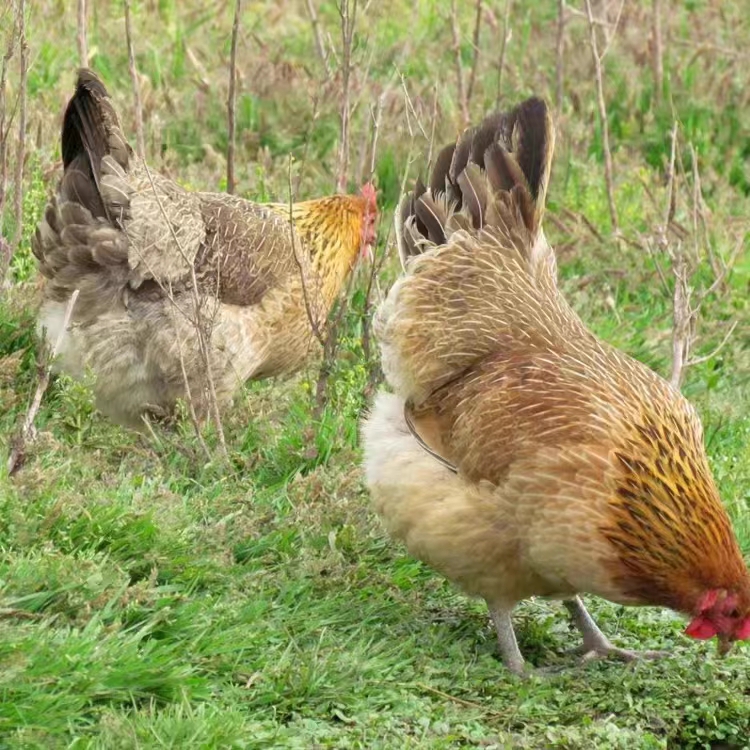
x=311 y=315
x=203 y=327
x=475 y=58
x=503 y=51
x=83 y=47
x=319 y=44
x=232 y=98
x=560 y=55
x=460 y=85
x=348 y=14
x=27 y=432
x=608 y=168
x=140 y=141
x=21 y=142
x=657 y=52
x=6 y=250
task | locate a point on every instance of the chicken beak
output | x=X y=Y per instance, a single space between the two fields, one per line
x=725 y=645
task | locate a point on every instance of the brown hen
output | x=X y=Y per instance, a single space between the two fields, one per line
x=152 y=261
x=521 y=455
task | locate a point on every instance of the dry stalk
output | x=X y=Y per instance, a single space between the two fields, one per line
x=686 y=304
x=560 y=56
x=27 y=432
x=311 y=316
x=503 y=51
x=203 y=327
x=6 y=121
x=463 y=102
x=186 y=381
x=348 y=15
x=140 y=141
x=232 y=98
x=20 y=25
x=81 y=38
x=475 y=58
x=608 y=168
x=319 y=44
x=657 y=52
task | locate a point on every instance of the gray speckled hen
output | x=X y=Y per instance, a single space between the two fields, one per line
x=150 y=258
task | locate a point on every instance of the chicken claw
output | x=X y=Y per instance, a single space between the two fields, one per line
x=596 y=645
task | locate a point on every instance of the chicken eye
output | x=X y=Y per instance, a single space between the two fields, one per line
x=734 y=614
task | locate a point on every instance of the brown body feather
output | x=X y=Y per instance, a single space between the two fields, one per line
x=578 y=469
x=130 y=239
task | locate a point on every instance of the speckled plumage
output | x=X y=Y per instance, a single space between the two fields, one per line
x=577 y=468
x=130 y=239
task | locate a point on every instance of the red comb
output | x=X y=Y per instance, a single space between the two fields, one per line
x=369 y=193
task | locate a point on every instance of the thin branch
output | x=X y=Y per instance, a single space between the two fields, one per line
x=348 y=14
x=460 y=86
x=657 y=52
x=560 y=55
x=475 y=59
x=319 y=44
x=699 y=360
x=141 y=143
x=232 y=98
x=21 y=143
x=608 y=168
x=503 y=51
x=203 y=335
x=311 y=317
x=6 y=250
x=28 y=431
x=83 y=47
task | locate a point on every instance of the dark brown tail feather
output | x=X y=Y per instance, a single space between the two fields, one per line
x=78 y=244
x=91 y=130
x=514 y=149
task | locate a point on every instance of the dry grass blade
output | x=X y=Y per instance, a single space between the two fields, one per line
x=27 y=432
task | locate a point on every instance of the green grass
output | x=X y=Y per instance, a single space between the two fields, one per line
x=149 y=598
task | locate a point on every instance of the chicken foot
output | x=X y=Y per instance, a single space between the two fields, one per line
x=596 y=645
x=506 y=639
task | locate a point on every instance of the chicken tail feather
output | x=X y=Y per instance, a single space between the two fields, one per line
x=474 y=252
x=80 y=243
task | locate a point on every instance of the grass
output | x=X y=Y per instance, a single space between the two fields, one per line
x=151 y=599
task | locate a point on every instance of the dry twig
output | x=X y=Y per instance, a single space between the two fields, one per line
x=348 y=14
x=232 y=98
x=685 y=261
x=203 y=328
x=503 y=51
x=657 y=52
x=475 y=58
x=463 y=102
x=27 y=432
x=608 y=168
x=81 y=39
x=319 y=44
x=6 y=121
x=21 y=142
x=140 y=141
x=560 y=56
